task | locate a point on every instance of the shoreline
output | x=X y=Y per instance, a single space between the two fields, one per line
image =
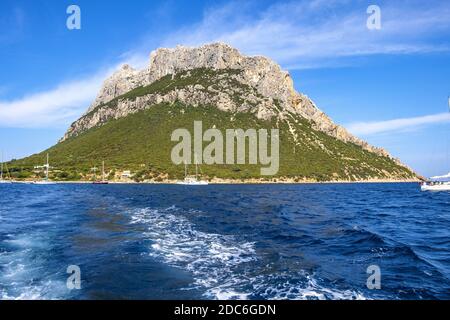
x=237 y=182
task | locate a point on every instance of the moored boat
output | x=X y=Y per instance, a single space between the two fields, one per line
x=103 y=181
x=437 y=183
x=3 y=181
x=435 y=186
x=190 y=179
x=46 y=180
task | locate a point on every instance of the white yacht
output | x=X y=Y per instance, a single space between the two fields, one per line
x=103 y=181
x=438 y=183
x=191 y=179
x=45 y=180
x=435 y=186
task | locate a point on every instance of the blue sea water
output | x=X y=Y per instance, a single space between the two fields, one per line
x=224 y=241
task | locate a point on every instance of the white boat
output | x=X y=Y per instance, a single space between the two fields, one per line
x=3 y=181
x=103 y=181
x=435 y=186
x=45 y=180
x=437 y=183
x=192 y=180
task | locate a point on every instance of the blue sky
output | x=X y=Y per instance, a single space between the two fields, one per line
x=388 y=86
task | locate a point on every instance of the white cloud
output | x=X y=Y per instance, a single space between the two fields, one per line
x=61 y=105
x=137 y=59
x=305 y=33
x=55 y=107
x=445 y=176
x=301 y=34
x=397 y=125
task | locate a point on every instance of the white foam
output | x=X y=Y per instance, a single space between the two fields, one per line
x=26 y=241
x=219 y=263
x=23 y=273
x=48 y=290
x=210 y=257
x=307 y=289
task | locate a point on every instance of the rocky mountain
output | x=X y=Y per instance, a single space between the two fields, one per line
x=272 y=90
x=225 y=85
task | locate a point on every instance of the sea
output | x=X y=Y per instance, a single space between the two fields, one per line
x=266 y=241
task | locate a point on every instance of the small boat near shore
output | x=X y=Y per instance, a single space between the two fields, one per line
x=103 y=181
x=437 y=183
x=435 y=186
x=43 y=182
x=3 y=181
x=46 y=180
x=190 y=179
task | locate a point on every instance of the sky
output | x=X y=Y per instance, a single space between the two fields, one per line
x=388 y=86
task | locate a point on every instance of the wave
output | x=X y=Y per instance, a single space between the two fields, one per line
x=22 y=275
x=224 y=266
x=211 y=258
x=384 y=247
x=48 y=290
x=299 y=286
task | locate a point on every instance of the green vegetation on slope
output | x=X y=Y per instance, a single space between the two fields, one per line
x=141 y=142
x=206 y=78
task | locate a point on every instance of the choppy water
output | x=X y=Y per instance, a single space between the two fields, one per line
x=223 y=241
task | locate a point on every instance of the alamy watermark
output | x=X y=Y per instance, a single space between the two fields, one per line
x=374 y=279
x=73 y=22
x=374 y=20
x=235 y=140
x=74 y=280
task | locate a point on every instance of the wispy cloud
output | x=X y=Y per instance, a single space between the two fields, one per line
x=55 y=107
x=445 y=176
x=300 y=34
x=304 y=33
x=59 y=106
x=397 y=125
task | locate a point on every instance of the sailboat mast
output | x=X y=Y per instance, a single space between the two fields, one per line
x=103 y=170
x=46 y=171
x=196 y=167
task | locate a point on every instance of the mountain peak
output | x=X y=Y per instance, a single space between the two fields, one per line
x=132 y=120
x=259 y=71
x=269 y=90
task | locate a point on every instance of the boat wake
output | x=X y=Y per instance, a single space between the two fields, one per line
x=23 y=274
x=224 y=266
x=211 y=258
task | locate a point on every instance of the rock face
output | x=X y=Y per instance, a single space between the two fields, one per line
x=260 y=72
x=269 y=90
x=120 y=82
